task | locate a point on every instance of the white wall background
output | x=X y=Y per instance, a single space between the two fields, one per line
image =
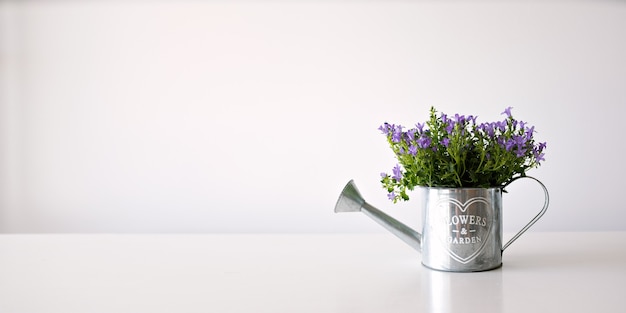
x=245 y=116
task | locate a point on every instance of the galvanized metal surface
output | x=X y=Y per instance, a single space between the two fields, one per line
x=462 y=227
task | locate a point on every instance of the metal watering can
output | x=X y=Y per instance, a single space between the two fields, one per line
x=461 y=229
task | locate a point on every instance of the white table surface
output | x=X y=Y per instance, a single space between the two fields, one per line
x=542 y=272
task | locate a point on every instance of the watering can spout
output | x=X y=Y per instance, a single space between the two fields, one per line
x=351 y=200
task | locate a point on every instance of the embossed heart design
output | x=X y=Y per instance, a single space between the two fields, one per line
x=463 y=228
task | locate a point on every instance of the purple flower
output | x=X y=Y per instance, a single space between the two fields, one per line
x=459 y=118
x=487 y=128
x=411 y=133
x=420 y=127
x=501 y=125
x=396 y=136
x=423 y=142
x=450 y=127
x=539 y=158
x=383 y=174
x=397 y=173
x=507 y=111
x=508 y=145
x=537 y=152
x=542 y=146
x=445 y=142
x=385 y=128
x=529 y=132
x=444 y=118
x=391 y=195
x=501 y=142
x=413 y=150
x=409 y=136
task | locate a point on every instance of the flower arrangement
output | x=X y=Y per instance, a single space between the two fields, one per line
x=457 y=151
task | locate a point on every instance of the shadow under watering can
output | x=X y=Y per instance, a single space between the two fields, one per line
x=462 y=227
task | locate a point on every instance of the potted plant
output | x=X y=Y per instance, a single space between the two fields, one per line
x=459 y=167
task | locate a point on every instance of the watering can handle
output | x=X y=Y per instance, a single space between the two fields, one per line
x=537 y=217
